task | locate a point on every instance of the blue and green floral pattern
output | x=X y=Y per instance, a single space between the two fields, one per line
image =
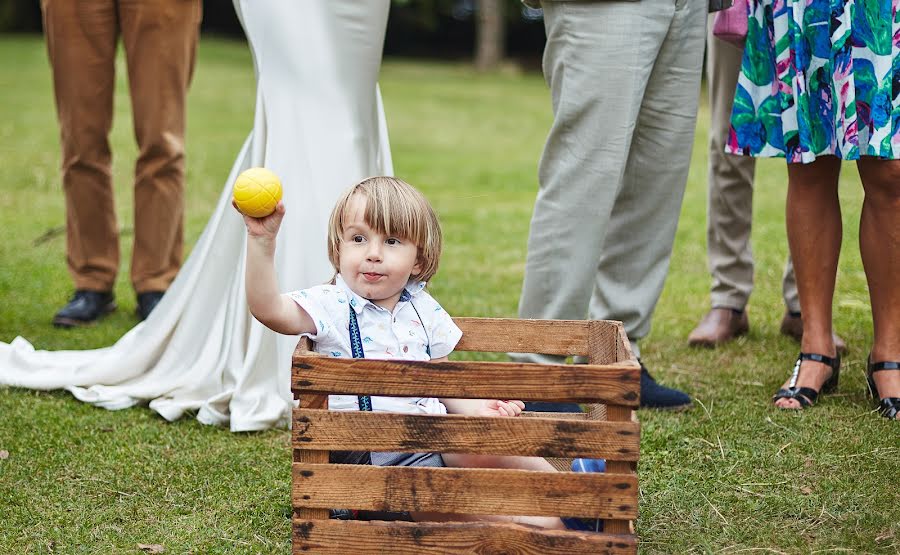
x=819 y=77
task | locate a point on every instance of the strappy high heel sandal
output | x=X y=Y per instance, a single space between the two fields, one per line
x=806 y=396
x=889 y=407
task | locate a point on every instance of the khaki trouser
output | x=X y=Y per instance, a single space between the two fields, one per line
x=730 y=200
x=624 y=79
x=160 y=40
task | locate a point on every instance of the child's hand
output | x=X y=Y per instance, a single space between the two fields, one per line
x=496 y=407
x=265 y=227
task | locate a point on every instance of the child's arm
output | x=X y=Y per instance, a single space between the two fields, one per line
x=276 y=311
x=481 y=407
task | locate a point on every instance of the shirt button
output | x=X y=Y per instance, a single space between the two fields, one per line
x=405 y=349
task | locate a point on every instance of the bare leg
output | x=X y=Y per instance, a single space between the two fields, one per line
x=490 y=461
x=814 y=234
x=494 y=461
x=879 y=244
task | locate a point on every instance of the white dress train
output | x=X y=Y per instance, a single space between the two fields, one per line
x=319 y=125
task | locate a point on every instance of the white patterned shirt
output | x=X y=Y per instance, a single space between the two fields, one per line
x=416 y=324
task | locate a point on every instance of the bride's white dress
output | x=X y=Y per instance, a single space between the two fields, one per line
x=319 y=125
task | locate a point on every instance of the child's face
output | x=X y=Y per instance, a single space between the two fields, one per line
x=375 y=266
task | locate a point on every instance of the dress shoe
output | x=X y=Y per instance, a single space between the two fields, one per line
x=655 y=396
x=85 y=307
x=147 y=301
x=720 y=325
x=792 y=326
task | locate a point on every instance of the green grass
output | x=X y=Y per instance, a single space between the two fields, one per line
x=731 y=475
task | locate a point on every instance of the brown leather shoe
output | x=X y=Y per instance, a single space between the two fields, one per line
x=720 y=325
x=792 y=326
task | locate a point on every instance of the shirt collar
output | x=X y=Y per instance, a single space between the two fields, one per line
x=358 y=303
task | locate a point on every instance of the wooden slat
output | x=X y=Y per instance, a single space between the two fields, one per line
x=340 y=537
x=623 y=346
x=414 y=433
x=506 y=335
x=615 y=384
x=465 y=490
x=599 y=343
x=308 y=456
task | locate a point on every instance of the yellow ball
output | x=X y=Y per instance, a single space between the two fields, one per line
x=257 y=192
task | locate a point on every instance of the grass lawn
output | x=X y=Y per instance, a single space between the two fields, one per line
x=732 y=475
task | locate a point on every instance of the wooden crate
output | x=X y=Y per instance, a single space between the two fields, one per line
x=610 y=381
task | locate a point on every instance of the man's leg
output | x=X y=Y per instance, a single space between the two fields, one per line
x=789 y=288
x=729 y=207
x=160 y=39
x=81 y=44
x=597 y=60
x=638 y=245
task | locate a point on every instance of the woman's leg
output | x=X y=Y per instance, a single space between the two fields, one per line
x=879 y=244
x=814 y=234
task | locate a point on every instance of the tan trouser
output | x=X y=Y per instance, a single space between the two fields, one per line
x=730 y=200
x=160 y=39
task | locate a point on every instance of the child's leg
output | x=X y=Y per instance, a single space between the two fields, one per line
x=495 y=461
x=551 y=522
x=476 y=461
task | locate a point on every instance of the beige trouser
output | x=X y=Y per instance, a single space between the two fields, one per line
x=730 y=200
x=625 y=80
x=160 y=40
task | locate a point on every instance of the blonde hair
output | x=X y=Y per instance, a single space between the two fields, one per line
x=394 y=208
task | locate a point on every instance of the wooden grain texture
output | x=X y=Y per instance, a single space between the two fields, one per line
x=623 y=346
x=465 y=490
x=414 y=433
x=342 y=537
x=599 y=342
x=584 y=383
x=308 y=401
x=508 y=335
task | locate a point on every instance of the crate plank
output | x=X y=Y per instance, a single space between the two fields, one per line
x=309 y=456
x=336 y=537
x=617 y=384
x=465 y=490
x=414 y=433
x=600 y=344
x=505 y=335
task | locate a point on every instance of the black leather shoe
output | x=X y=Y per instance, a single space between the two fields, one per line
x=655 y=396
x=146 y=302
x=85 y=307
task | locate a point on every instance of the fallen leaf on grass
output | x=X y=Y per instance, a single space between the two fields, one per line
x=4 y=455
x=806 y=490
x=151 y=548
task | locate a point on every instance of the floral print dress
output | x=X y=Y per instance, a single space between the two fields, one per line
x=819 y=77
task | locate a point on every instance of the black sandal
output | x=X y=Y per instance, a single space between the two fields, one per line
x=888 y=407
x=806 y=396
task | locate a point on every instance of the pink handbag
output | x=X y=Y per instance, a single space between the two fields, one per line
x=730 y=24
